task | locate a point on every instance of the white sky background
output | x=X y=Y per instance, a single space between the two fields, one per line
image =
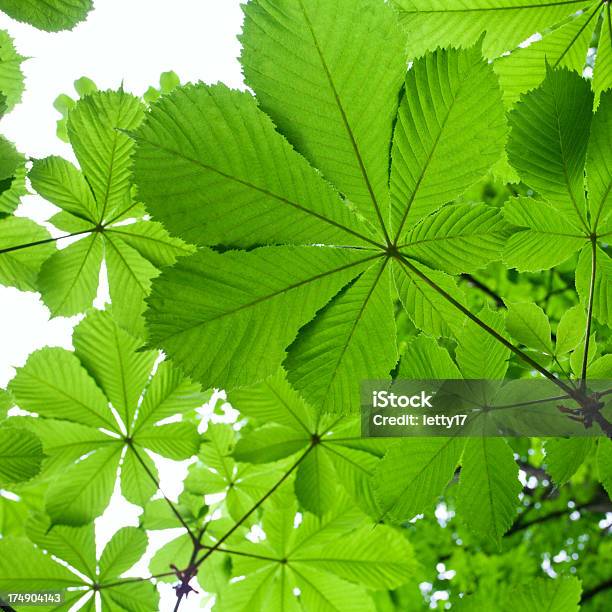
x=133 y=41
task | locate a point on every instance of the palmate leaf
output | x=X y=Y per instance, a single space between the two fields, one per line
x=76 y=547
x=245 y=187
x=554 y=137
x=217 y=472
x=565 y=29
x=321 y=558
x=49 y=15
x=93 y=199
x=84 y=440
x=289 y=426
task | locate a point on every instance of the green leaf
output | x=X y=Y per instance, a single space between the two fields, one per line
x=527 y=323
x=566 y=46
x=19 y=267
x=234 y=185
x=322 y=591
x=123 y=372
x=49 y=15
x=176 y=552
x=479 y=354
x=600 y=368
x=176 y=441
x=95 y=129
x=375 y=557
x=548 y=141
x=23 y=568
x=75 y=545
x=62 y=184
x=458 y=238
x=21 y=455
x=507 y=23
x=565 y=455
x=561 y=595
x=602 y=290
x=128 y=274
x=352 y=338
x=6 y=402
x=132 y=596
x=604 y=464
x=413 y=474
x=54 y=384
x=137 y=485
x=316 y=481
x=269 y=443
x=64 y=442
x=426 y=307
x=598 y=165
x=169 y=393
x=570 y=330
x=344 y=72
x=68 y=280
x=10 y=159
x=487 y=497
x=424 y=359
x=546 y=239
x=11 y=76
x=222 y=313
x=85 y=488
x=151 y=241
x=274 y=400
x=122 y=552
x=13 y=188
x=450 y=130
x=602 y=77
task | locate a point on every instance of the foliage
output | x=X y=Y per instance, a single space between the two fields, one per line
x=406 y=192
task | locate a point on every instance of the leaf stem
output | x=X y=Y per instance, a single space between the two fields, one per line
x=499 y=302
x=168 y=501
x=587 y=338
x=475 y=319
x=129 y=580
x=27 y=245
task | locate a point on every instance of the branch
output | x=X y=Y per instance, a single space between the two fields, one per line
x=520 y=526
x=185 y=576
x=604 y=586
x=499 y=302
